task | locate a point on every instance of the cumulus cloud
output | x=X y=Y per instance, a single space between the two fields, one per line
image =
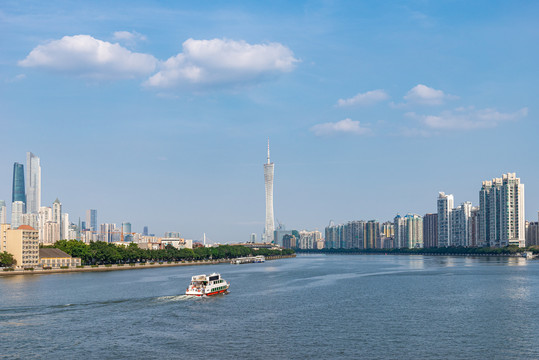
x=468 y=118
x=222 y=62
x=83 y=55
x=346 y=126
x=127 y=37
x=422 y=94
x=363 y=99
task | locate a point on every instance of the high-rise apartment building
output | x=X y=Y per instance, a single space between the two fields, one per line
x=3 y=212
x=268 y=180
x=17 y=210
x=413 y=234
x=309 y=239
x=430 y=230
x=501 y=207
x=33 y=183
x=460 y=225
x=145 y=231
x=474 y=228
x=91 y=219
x=65 y=227
x=399 y=228
x=18 y=192
x=57 y=214
x=444 y=207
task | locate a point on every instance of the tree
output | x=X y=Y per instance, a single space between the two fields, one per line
x=6 y=259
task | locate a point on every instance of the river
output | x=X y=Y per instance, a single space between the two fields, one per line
x=309 y=307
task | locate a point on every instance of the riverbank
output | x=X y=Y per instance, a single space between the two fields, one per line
x=132 y=266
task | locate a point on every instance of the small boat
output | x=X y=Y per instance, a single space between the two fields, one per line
x=207 y=285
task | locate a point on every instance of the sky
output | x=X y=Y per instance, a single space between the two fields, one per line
x=158 y=113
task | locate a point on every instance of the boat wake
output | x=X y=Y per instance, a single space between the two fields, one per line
x=173 y=298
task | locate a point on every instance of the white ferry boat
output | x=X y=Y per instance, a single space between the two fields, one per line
x=207 y=285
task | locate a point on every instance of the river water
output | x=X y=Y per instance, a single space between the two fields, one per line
x=310 y=307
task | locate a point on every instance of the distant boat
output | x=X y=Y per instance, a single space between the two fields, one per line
x=249 y=259
x=207 y=285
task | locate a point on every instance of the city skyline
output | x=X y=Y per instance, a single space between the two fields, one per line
x=371 y=109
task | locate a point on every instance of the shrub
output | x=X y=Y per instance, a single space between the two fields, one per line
x=29 y=269
x=47 y=267
x=144 y=263
x=108 y=265
x=132 y=264
x=160 y=263
x=9 y=269
x=120 y=264
x=152 y=263
x=80 y=266
x=94 y=266
x=64 y=267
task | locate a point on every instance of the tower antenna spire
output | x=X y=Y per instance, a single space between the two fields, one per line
x=268 y=152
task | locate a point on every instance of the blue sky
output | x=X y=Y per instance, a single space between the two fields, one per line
x=157 y=113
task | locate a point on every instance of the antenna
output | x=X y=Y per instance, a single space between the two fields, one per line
x=268 y=152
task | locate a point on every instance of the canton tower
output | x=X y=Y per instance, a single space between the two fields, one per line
x=268 y=179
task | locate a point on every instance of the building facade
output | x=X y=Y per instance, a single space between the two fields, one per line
x=23 y=244
x=3 y=212
x=501 y=212
x=430 y=230
x=444 y=207
x=91 y=220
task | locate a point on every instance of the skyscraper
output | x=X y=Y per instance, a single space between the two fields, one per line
x=91 y=220
x=268 y=179
x=3 y=212
x=18 y=193
x=445 y=206
x=501 y=212
x=33 y=183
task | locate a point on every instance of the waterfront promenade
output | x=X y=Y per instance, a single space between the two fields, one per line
x=130 y=266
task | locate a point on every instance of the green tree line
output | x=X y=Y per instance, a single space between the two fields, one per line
x=100 y=252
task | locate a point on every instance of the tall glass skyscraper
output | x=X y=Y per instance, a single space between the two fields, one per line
x=18 y=193
x=268 y=178
x=91 y=219
x=33 y=183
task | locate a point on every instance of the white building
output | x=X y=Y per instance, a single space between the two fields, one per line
x=33 y=183
x=460 y=225
x=268 y=180
x=44 y=215
x=501 y=207
x=17 y=209
x=3 y=212
x=65 y=227
x=444 y=207
x=57 y=214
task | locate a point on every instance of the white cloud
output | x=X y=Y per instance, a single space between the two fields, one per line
x=346 y=126
x=368 y=98
x=468 y=118
x=83 y=55
x=128 y=37
x=422 y=94
x=223 y=62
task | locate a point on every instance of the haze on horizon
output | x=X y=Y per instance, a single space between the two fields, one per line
x=158 y=114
